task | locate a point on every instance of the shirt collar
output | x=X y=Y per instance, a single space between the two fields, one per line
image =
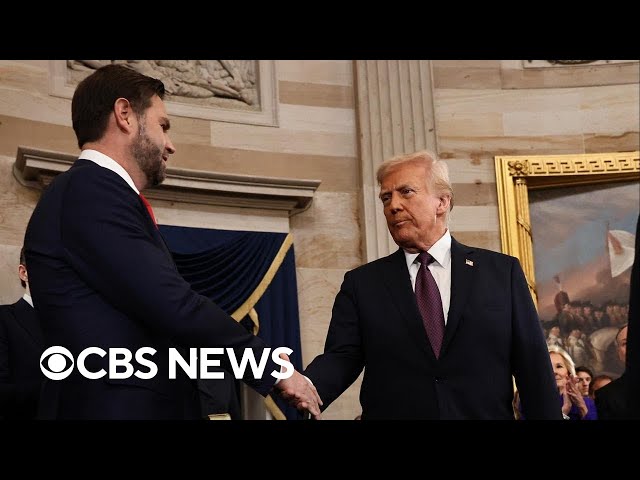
x=109 y=163
x=27 y=298
x=440 y=251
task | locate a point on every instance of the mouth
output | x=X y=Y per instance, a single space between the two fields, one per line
x=400 y=223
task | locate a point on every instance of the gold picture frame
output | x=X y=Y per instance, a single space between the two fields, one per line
x=516 y=175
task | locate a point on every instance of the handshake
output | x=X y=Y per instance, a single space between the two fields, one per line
x=300 y=392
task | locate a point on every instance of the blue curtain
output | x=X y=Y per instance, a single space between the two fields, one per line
x=230 y=266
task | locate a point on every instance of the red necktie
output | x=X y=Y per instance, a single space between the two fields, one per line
x=430 y=303
x=149 y=209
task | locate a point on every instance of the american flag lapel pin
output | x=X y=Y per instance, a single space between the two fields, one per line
x=469 y=262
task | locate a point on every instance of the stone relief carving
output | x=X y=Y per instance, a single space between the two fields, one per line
x=236 y=91
x=569 y=63
x=225 y=83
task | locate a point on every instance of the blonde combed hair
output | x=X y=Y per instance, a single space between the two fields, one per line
x=438 y=172
x=568 y=361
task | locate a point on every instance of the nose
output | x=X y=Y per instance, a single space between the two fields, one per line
x=170 y=147
x=395 y=204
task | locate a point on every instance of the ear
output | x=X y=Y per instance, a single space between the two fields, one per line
x=22 y=273
x=123 y=114
x=443 y=205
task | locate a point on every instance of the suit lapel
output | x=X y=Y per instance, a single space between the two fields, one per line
x=462 y=273
x=27 y=319
x=397 y=280
x=151 y=226
x=155 y=231
x=148 y=220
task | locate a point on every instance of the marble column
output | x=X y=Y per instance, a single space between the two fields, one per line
x=395 y=115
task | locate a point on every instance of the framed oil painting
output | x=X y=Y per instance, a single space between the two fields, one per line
x=571 y=221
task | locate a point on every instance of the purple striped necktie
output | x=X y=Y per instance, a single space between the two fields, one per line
x=430 y=303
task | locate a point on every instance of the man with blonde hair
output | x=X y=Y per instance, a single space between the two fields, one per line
x=439 y=327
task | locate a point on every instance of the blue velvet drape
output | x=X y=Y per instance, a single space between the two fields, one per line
x=227 y=266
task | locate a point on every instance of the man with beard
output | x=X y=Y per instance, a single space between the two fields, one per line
x=101 y=275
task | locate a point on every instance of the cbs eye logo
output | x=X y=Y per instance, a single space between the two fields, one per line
x=56 y=363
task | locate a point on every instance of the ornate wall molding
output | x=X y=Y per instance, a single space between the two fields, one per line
x=587 y=164
x=516 y=74
x=570 y=63
x=36 y=168
x=238 y=91
x=395 y=115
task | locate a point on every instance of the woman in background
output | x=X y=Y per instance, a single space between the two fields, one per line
x=574 y=405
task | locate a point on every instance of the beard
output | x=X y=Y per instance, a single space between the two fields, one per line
x=148 y=156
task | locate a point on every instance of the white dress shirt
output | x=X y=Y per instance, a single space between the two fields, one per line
x=108 y=163
x=27 y=298
x=440 y=268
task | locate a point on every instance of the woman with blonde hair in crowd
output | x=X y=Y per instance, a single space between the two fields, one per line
x=574 y=405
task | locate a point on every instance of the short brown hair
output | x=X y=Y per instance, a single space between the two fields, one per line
x=96 y=95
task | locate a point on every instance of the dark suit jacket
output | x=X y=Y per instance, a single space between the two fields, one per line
x=101 y=275
x=612 y=400
x=21 y=344
x=492 y=332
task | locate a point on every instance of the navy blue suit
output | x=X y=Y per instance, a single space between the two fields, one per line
x=21 y=345
x=492 y=332
x=613 y=402
x=101 y=275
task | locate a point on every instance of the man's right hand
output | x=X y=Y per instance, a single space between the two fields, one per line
x=300 y=392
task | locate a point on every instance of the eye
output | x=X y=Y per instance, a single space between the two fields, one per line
x=56 y=363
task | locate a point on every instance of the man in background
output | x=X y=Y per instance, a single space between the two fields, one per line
x=612 y=400
x=21 y=344
x=597 y=383
x=585 y=376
